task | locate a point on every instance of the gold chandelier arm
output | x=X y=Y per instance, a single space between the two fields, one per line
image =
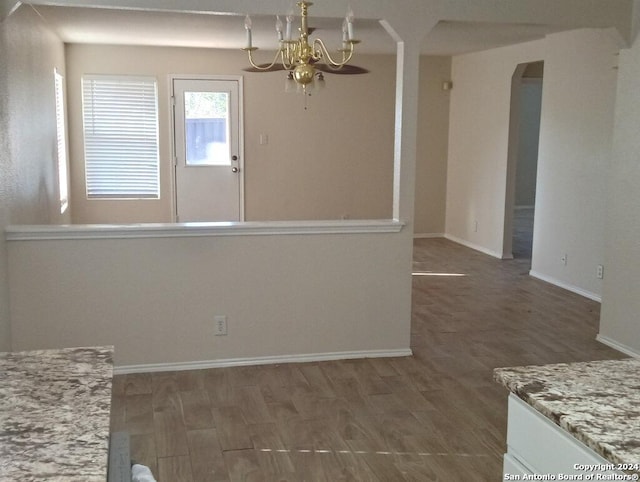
x=287 y=55
x=320 y=52
x=257 y=67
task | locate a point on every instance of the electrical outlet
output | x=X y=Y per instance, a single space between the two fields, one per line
x=564 y=259
x=219 y=325
x=600 y=271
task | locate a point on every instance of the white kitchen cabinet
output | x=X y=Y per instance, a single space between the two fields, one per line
x=535 y=445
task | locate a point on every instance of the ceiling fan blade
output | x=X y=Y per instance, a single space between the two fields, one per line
x=344 y=70
x=274 y=68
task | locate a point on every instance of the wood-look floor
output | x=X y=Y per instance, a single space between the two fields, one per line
x=437 y=415
x=522 y=240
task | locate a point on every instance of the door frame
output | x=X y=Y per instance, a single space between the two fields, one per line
x=172 y=136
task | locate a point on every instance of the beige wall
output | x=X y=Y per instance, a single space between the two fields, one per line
x=433 y=127
x=333 y=160
x=29 y=52
x=575 y=139
x=322 y=163
x=478 y=143
x=620 y=320
x=5 y=170
x=578 y=101
x=155 y=299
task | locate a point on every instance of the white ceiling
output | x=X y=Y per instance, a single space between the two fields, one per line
x=134 y=27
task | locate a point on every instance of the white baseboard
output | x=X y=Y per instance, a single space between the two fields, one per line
x=627 y=350
x=427 y=235
x=477 y=247
x=262 y=360
x=566 y=286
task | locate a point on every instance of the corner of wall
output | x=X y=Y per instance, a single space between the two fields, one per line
x=28 y=53
x=7 y=7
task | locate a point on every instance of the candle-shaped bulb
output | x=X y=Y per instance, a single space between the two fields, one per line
x=349 y=16
x=349 y=19
x=289 y=21
x=247 y=26
x=345 y=33
x=279 y=27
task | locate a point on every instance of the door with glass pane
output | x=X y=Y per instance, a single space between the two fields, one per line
x=207 y=155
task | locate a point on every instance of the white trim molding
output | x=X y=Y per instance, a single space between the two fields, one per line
x=180 y=230
x=468 y=244
x=427 y=235
x=627 y=350
x=566 y=286
x=262 y=360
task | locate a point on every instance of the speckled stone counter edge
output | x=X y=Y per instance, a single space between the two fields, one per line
x=596 y=402
x=54 y=414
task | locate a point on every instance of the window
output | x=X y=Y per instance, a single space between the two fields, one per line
x=120 y=137
x=61 y=141
x=207 y=128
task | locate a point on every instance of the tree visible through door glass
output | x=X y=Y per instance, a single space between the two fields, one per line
x=207 y=128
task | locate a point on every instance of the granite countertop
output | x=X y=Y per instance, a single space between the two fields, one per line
x=597 y=402
x=54 y=414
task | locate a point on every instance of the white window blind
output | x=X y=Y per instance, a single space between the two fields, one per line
x=120 y=136
x=61 y=140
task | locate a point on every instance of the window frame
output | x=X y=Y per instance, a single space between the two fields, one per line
x=62 y=152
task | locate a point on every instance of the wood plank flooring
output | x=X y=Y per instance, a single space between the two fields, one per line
x=435 y=416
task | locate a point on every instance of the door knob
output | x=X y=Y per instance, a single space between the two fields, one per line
x=234 y=169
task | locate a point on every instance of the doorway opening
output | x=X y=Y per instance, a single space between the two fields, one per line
x=522 y=165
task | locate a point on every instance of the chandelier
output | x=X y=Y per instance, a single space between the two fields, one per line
x=301 y=58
